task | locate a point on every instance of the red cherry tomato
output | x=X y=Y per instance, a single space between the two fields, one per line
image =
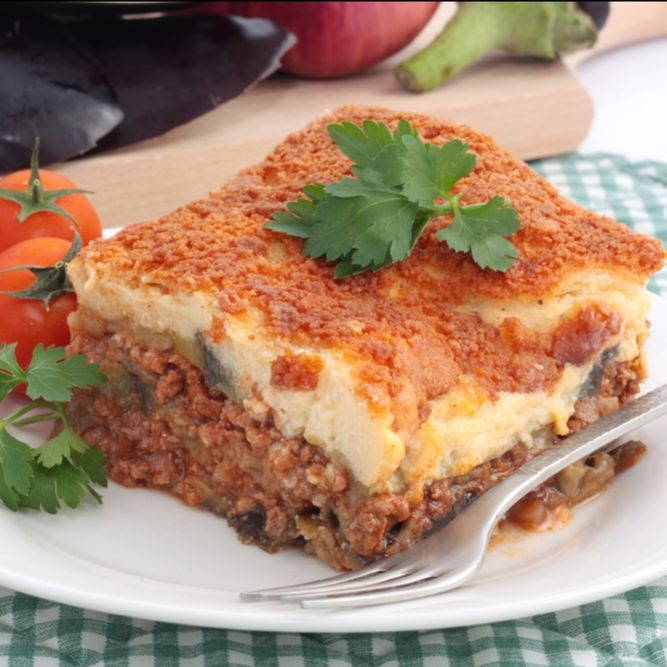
x=28 y=321
x=46 y=223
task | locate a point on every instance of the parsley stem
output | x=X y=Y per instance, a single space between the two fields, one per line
x=46 y=417
x=33 y=405
x=445 y=209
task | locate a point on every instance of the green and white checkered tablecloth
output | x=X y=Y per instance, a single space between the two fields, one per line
x=628 y=629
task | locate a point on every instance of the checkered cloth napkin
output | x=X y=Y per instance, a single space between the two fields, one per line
x=629 y=629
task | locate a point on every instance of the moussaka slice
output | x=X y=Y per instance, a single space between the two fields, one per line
x=353 y=414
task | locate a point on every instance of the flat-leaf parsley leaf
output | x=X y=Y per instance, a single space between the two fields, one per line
x=481 y=229
x=375 y=219
x=64 y=468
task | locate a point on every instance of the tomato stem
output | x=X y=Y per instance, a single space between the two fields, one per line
x=36 y=199
x=35 y=185
x=50 y=281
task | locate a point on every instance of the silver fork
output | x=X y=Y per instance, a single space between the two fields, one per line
x=451 y=556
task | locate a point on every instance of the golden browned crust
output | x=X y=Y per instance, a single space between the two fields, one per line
x=409 y=344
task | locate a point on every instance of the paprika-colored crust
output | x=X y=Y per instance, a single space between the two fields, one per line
x=403 y=325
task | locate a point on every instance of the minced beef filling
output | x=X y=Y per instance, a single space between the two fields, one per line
x=161 y=427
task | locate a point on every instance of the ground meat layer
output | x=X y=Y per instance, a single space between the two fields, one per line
x=161 y=427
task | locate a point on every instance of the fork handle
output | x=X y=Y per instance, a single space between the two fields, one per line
x=499 y=499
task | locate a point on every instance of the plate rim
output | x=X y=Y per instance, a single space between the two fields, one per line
x=329 y=622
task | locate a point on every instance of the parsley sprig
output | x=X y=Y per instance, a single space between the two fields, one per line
x=65 y=467
x=375 y=219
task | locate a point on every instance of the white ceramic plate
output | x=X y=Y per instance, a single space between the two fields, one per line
x=145 y=555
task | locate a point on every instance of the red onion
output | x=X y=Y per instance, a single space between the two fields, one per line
x=336 y=38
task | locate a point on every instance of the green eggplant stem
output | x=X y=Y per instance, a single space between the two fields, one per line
x=536 y=29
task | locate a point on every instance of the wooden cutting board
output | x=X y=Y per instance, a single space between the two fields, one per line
x=533 y=108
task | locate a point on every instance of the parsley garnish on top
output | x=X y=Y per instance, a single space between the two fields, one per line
x=375 y=219
x=65 y=467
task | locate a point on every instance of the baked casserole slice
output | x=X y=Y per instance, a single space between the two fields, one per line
x=351 y=415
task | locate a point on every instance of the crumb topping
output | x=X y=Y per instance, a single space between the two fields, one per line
x=407 y=343
x=296 y=372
